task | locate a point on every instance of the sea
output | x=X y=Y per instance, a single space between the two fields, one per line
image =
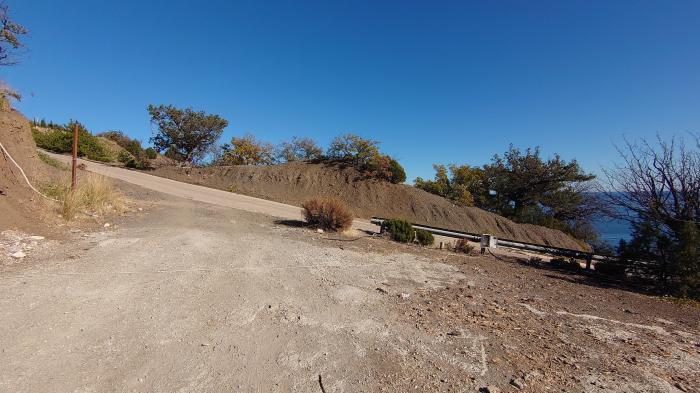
x=612 y=230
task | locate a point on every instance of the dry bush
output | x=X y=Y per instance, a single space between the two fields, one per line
x=329 y=214
x=463 y=246
x=94 y=194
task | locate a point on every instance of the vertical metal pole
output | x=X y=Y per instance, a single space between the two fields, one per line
x=75 y=155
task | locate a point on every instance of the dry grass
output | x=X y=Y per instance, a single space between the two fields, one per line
x=94 y=195
x=329 y=214
x=463 y=246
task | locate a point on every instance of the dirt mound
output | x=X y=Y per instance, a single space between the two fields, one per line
x=18 y=203
x=292 y=183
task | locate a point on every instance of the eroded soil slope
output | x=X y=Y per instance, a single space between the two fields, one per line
x=292 y=183
x=19 y=205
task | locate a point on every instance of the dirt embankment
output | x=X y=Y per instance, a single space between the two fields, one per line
x=292 y=183
x=20 y=206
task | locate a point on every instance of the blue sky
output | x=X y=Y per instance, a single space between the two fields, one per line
x=433 y=81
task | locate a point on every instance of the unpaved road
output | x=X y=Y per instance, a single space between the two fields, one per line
x=199 y=193
x=192 y=297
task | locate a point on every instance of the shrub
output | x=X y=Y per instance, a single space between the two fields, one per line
x=124 y=157
x=424 y=238
x=137 y=157
x=566 y=264
x=151 y=153
x=60 y=140
x=463 y=246
x=400 y=230
x=329 y=214
x=398 y=175
x=611 y=268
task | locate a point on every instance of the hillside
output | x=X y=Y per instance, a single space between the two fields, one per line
x=19 y=205
x=294 y=182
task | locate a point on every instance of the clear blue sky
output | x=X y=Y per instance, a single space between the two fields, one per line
x=433 y=81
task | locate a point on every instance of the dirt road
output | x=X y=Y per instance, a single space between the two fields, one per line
x=199 y=193
x=192 y=297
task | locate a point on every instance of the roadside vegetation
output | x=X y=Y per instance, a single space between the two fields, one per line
x=523 y=187
x=94 y=196
x=59 y=139
x=133 y=155
x=656 y=187
x=52 y=162
x=329 y=214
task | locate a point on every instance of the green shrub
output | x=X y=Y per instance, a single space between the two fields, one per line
x=60 y=140
x=566 y=264
x=398 y=175
x=151 y=153
x=124 y=157
x=329 y=214
x=424 y=238
x=400 y=230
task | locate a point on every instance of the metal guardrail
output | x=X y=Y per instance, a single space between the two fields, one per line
x=508 y=243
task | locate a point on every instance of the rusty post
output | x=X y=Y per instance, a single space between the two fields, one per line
x=75 y=155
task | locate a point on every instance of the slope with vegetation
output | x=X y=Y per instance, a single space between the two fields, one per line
x=295 y=182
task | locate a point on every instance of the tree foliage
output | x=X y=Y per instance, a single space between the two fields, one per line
x=364 y=155
x=461 y=184
x=247 y=150
x=11 y=34
x=354 y=149
x=136 y=157
x=523 y=187
x=59 y=139
x=184 y=134
x=657 y=189
x=299 y=149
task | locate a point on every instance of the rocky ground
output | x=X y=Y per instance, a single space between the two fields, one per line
x=185 y=296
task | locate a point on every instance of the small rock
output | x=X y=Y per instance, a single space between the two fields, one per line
x=205 y=344
x=18 y=255
x=405 y=295
x=35 y=237
x=489 y=389
x=319 y=230
x=107 y=225
x=680 y=387
x=532 y=375
x=382 y=290
x=140 y=209
x=75 y=231
x=454 y=333
x=517 y=383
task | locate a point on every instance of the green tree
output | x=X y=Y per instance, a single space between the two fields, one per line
x=525 y=188
x=462 y=184
x=247 y=150
x=185 y=134
x=354 y=149
x=299 y=149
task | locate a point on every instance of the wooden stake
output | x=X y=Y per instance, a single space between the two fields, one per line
x=75 y=155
